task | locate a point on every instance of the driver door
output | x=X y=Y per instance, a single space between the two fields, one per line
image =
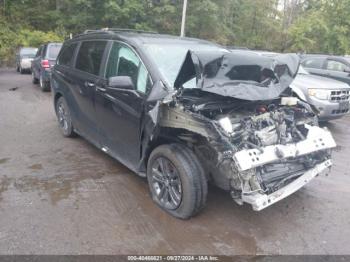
x=119 y=110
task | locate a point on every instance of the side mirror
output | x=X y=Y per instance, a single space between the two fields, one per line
x=121 y=82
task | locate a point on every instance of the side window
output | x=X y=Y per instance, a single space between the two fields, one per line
x=67 y=54
x=336 y=66
x=39 y=51
x=123 y=61
x=90 y=56
x=315 y=62
x=44 y=51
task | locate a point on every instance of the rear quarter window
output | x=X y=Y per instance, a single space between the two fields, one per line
x=90 y=56
x=67 y=54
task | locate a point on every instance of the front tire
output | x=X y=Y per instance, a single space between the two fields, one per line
x=176 y=180
x=64 y=118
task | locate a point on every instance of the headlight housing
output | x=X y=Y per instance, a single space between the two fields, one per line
x=319 y=93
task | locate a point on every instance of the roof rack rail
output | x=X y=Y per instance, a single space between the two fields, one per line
x=113 y=30
x=128 y=30
x=91 y=31
x=106 y=30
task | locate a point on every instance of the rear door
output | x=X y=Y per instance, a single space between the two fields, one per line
x=86 y=75
x=119 y=111
x=338 y=70
x=63 y=76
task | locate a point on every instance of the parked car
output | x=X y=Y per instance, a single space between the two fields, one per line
x=336 y=67
x=42 y=64
x=182 y=118
x=24 y=58
x=328 y=96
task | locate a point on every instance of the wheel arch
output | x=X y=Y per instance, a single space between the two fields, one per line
x=170 y=136
x=161 y=139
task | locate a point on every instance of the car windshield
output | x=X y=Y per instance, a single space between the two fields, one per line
x=28 y=52
x=170 y=56
x=53 y=51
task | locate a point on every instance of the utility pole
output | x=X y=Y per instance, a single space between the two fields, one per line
x=183 y=22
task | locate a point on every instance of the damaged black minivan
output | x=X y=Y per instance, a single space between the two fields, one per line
x=184 y=112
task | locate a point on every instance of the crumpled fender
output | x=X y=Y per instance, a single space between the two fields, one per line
x=158 y=95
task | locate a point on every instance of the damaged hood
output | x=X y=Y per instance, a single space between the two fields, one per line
x=239 y=75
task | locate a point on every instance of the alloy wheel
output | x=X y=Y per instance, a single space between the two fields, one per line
x=62 y=117
x=166 y=183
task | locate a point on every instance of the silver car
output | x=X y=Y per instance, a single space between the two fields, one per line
x=24 y=58
x=330 y=97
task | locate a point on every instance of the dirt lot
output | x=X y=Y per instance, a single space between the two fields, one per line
x=64 y=196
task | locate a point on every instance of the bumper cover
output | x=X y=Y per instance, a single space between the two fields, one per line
x=326 y=108
x=260 y=201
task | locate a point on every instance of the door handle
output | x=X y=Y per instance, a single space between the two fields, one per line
x=89 y=84
x=101 y=89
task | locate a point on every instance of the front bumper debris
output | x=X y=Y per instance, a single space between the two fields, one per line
x=260 y=201
x=317 y=139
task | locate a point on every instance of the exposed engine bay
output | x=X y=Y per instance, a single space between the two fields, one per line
x=251 y=135
x=241 y=143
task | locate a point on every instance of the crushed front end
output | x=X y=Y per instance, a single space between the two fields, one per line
x=260 y=146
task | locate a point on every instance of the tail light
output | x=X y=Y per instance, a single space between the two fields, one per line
x=45 y=63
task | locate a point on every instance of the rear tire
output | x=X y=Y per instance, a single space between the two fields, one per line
x=182 y=173
x=64 y=118
x=21 y=70
x=34 y=79
x=44 y=85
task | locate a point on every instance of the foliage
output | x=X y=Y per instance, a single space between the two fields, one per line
x=325 y=29
x=10 y=41
x=279 y=25
x=35 y=38
x=7 y=39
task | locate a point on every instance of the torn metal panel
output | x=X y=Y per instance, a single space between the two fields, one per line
x=175 y=117
x=243 y=76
